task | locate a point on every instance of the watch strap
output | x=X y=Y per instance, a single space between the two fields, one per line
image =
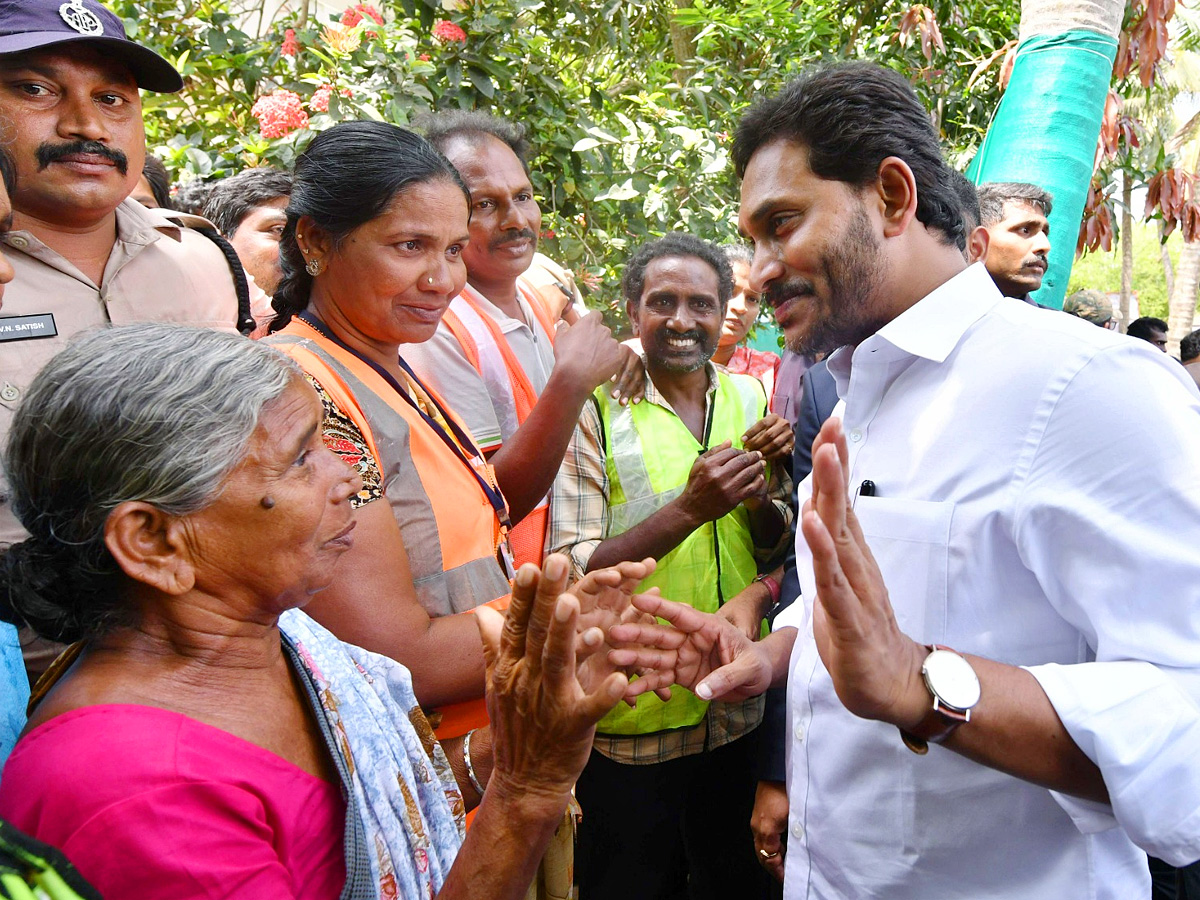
x=937 y=726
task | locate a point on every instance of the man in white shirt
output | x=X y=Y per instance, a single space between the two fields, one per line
x=1004 y=481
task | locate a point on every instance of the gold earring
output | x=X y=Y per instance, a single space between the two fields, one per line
x=313 y=267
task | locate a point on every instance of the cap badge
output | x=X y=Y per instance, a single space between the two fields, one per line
x=80 y=19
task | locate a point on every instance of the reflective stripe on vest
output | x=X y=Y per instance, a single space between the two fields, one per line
x=648 y=455
x=447 y=523
x=512 y=394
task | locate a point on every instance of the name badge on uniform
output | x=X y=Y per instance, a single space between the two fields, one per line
x=24 y=328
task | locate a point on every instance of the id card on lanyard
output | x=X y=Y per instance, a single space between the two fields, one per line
x=505 y=555
x=487 y=475
x=459 y=443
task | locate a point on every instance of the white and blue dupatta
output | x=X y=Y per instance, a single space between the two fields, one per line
x=404 y=818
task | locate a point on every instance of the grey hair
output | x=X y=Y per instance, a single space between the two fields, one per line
x=994 y=194
x=474 y=126
x=738 y=253
x=154 y=413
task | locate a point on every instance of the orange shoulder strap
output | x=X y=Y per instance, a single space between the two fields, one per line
x=463 y=336
x=524 y=396
x=538 y=305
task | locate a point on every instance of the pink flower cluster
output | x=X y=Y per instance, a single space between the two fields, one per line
x=290 y=45
x=355 y=13
x=320 y=98
x=448 y=33
x=279 y=113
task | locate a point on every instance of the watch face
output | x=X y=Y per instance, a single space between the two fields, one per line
x=951 y=679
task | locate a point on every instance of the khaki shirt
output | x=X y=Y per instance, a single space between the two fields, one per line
x=158 y=272
x=552 y=283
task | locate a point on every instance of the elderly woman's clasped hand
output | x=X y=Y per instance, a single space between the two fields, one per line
x=548 y=685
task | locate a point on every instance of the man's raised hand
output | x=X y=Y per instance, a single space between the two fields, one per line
x=874 y=666
x=699 y=651
x=587 y=355
x=772 y=436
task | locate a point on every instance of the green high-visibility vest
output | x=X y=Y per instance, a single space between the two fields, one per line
x=648 y=455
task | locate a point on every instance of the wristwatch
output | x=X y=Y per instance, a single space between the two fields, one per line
x=955 y=689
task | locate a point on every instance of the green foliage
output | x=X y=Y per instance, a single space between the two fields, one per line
x=630 y=105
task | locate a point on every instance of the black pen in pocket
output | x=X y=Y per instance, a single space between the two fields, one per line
x=866 y=489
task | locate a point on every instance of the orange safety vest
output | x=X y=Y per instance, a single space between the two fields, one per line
x=488 y=351
x=449 y=526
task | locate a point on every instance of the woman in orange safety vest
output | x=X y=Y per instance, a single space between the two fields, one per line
x=371 y=259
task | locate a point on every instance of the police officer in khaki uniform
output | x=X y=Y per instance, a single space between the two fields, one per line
x=84 y=255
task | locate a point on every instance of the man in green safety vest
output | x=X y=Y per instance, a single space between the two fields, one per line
x=684 y=477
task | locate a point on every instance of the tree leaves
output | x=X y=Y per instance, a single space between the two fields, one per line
x=627 y=144
x=1174 y=196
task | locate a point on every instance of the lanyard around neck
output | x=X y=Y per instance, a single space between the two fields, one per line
x=457 y=440
x=708 y=419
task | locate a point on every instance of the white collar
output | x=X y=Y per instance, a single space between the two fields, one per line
x=932 y=327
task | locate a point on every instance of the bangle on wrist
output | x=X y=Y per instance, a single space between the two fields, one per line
x=471 y=776
x=772 y=586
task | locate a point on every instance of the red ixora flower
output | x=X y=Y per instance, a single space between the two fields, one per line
x=320 y=98
x=448 y=33
x=424 y=57
x=548 y=234
x=290 y=45
x=279 y=113
x=355 y=13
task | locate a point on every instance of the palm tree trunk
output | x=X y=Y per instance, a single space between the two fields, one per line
x=1046 y=126
x=1182 y=315
x=1126 y=250
x=1168 y=266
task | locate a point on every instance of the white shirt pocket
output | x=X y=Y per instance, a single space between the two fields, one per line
x=910 y=541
